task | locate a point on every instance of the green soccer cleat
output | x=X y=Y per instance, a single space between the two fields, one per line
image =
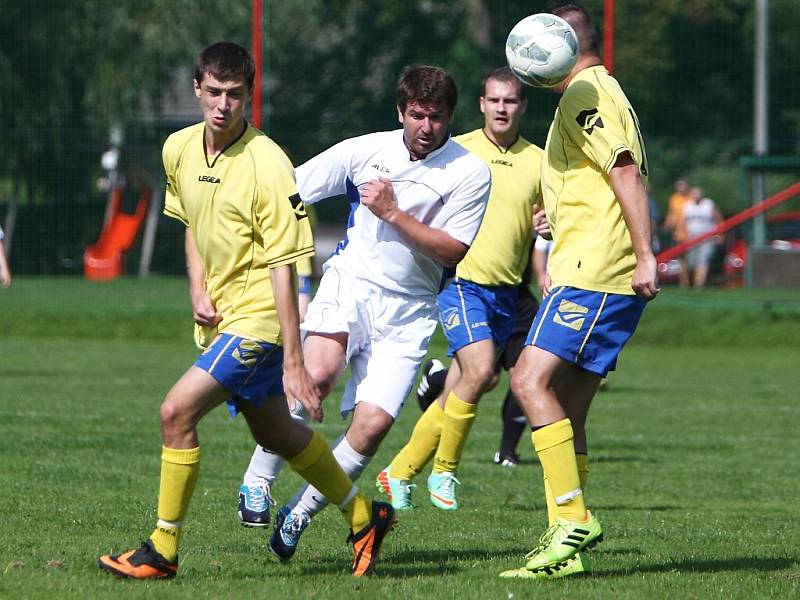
x=580 y=564
x=442 y=489
x=563 y=540
x=398 y=490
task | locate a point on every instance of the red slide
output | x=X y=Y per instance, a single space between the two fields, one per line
x=103 y=260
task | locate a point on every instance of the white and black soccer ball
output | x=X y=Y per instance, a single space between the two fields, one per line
x=542 y=49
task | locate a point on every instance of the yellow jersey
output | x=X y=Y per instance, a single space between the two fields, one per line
x=594 y=123
x=246 y=217
x=500 y=251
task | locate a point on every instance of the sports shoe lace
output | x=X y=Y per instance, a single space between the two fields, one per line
x=259 y=497
x=544 y=540
x=295 y=524
x=449 y=482
x=404 y=497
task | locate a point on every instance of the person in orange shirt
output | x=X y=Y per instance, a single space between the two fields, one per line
x=675 y=223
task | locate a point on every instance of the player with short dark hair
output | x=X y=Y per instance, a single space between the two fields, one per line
x=477 y=309
x=602 y=272
x=233 y=189
x=417 y=199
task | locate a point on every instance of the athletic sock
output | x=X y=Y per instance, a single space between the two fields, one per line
x=422 y=445
x=266 y=465
x=514 y=423
x=583 y=475
x=318 y=467
x=583 y=471
x=179 y=471
x=458 y=419
x=554 y=446
x=309 y=499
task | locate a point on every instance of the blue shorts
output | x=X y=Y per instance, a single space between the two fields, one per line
x=470 y=312
x=586 y=328
x=249 y=369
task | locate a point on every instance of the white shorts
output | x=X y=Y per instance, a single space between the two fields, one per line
x=388 y=335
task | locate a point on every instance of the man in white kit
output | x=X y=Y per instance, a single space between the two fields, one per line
x=417 y=200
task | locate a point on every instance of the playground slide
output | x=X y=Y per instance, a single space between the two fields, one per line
x=104 y=259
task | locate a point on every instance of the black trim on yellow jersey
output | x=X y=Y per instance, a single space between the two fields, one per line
x=298 y=207
x=238 y=137
x=292 y=257
x=483 y=131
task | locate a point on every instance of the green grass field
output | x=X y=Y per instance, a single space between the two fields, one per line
x=693 y=463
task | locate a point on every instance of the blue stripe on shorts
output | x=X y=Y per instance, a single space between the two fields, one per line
x=588 y=329
x=250 y=370
x=470 y=312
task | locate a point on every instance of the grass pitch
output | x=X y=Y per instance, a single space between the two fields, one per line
x=693 y=456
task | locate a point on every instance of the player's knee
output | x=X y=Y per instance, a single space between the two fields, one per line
x=174 y=419
x=478 y=377
x=366 y=435
x=524 y=387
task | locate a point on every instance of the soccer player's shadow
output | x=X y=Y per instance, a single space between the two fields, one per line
x=694 y=565
x=413 y=563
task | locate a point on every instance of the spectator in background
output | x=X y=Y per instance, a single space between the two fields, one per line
x=5 y=272
x=675 y=224
x=700 y=215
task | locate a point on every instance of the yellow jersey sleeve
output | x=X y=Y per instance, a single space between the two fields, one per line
x=282 y=219
x=170 y=155
x=593 y=123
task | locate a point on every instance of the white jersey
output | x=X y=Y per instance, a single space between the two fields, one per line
x=446 y=190
x=699 y=216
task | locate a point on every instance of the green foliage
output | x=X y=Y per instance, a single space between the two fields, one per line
x=72 y=69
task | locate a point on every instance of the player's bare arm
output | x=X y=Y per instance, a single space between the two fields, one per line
x=297 y=382
x=540 y=223
x=203 y=310
x=629 y=190
x=378 y=196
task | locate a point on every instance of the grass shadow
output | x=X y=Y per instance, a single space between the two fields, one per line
x=626 y=507
x=414 y=563
x=705 y=566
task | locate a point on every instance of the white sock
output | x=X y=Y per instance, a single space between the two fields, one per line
x=265 y=466
x=309 y=499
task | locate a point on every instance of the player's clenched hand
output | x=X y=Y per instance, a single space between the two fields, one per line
x=378 y=196
x=645 y=280
x=299 y=387
x=540 y=223
x=203 y=310
x=546 y=285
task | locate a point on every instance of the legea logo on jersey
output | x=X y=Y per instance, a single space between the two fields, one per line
x=450 y=318
x=500 y=161
x=589 y=119
x=571 y=315
x=209 y=179
x=379 y=168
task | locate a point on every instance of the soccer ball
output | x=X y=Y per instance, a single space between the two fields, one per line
x=542 y=49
